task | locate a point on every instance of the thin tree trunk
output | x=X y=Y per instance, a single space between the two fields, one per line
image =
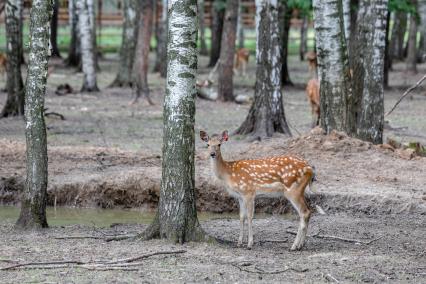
x=54 y=30
x=74 y=53
x=399 y=30
x=412 y=44
x=368 y=67
x=240 y=27
x=422 y=46
x=388 y=59
x=34 y=198
x=88 y=56
x=161 y=56
x=142 y=50
x=177 y=215
x=218 y=14
x=128 y=44
x=201 y=20
x=347 y=19
x=333 y=66
x=303 y=38
x=227 y=52
x=266 y=115
x=15 y=89
x=284 y=18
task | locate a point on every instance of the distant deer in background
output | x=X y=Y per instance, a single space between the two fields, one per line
x=270 y=177
x=313 y=88
x=3 y=63
x=313 y=94
x=241 y=60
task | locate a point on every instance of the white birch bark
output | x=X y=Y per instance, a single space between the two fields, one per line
x=177 y=213
x=87 y=45
x=368 y=64
x=333 y=67
x=347 y=19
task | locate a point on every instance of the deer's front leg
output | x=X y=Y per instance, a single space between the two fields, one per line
x=250 y=213
x=243 y=216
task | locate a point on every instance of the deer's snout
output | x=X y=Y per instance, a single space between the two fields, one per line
x=212 y=154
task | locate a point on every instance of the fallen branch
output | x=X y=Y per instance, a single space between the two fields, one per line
x=406 y=93
x=52 y=113
x=330 y=277
x=262 y=271
x=78 y=237
x=96 y=265
x=120 y=238
x=274 y=241
x=317 y=235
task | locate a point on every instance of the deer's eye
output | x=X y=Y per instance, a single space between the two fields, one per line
x=208 y=145
x=219 y=145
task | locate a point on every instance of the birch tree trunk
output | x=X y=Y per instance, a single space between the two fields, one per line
x=368 y=67
x=15 y=90
x=218 y=14
x=411 y=61
x=347 y=19
x=201 y=20
x=54 y=30
x=74 y=53
x=284 y=19
x=161 y=56
x=142 y=50
x=34 y=198
x=333 y=66
x=422 y=46
x=87 y=41
x=227 y=52
x=266 y=115
x=177 y=215
x=128 y=45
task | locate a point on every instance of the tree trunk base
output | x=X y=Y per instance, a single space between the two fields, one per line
x=87 y=89
x=27 y=220
x=198 y=234
x=11 y=109
x=119 y=83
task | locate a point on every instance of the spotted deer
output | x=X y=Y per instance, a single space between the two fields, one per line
x=270 y=177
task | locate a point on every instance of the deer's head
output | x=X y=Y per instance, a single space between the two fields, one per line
x=214 y=142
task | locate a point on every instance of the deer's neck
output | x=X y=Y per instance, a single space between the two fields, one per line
x=220 y=166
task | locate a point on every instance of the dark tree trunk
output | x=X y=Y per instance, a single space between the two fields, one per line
x=398 y=33
x=177 y=215
x=74 y=53
x=388 y=59
x=218 y=14
x=284 y=19
x=161 y=50
x=303 y=38
x=422 y=47
x=54 y=30
x=368 y=67
x=412 y=44
x=128 y=45
x=201 y=20
x=266 y=115
x=227 y=52
x=34 y=198
x=15 y=89
x=333 y=67
x=350 y=43
x=142 y=50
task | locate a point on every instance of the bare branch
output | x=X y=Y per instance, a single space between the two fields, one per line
x=317 y=235
x=406 y=93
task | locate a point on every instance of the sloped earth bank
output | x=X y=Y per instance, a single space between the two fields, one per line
x=353 y=176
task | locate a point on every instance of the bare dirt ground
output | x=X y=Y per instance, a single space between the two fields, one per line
x=108 y=154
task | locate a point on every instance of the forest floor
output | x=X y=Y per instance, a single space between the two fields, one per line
x=108 y=154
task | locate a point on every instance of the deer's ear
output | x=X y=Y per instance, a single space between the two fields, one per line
x=225 y=136
x=204 y=136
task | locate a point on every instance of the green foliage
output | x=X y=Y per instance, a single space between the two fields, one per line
x=219 y=5
x=406 y=6
x=304 y=6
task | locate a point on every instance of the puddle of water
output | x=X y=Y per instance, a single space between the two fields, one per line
x=98 y=217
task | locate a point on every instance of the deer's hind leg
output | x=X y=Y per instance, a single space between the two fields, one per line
x=296 y=195
x=243 y=217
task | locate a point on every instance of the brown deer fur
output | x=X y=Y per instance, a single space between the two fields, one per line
x=241 y=59
x=270 y=177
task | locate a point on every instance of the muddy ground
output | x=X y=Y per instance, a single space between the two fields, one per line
x=108 y=154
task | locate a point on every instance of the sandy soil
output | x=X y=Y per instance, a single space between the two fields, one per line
x=108 y=154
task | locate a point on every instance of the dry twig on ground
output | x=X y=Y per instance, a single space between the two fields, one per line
x=317 y=235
